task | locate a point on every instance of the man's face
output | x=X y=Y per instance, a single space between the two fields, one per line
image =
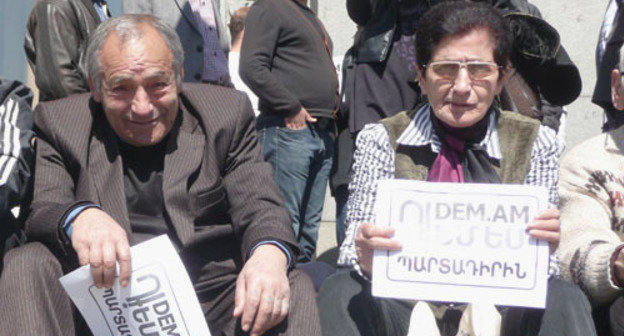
x=139 y=92
x=617 y=90
x=463 y=100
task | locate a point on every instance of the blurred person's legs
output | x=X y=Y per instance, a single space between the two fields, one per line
x=340 y=178
x=314 y=196
x=341 y=195
x=301 y=161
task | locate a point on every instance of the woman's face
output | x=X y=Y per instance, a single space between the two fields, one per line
x=461 y=94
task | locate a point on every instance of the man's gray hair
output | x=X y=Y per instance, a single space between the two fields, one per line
x=129 y=27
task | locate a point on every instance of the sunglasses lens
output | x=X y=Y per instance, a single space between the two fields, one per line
x=481 y=70
x=445 y=70
x=476 y=69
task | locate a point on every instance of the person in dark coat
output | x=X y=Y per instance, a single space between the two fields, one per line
x=56 y=36
x=17 y=157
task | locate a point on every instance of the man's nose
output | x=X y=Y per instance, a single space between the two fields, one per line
x=141 y=103
x=462 y=82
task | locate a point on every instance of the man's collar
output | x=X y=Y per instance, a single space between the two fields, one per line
x=189 y=121
x=420 y=132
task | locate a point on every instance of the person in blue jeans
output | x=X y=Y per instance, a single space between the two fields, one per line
x=286 y=61
x=301 y=160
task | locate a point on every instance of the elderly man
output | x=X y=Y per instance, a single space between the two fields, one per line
x=143 y=156
x=592 y=217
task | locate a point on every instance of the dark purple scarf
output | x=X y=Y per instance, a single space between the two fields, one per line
x=462 y=158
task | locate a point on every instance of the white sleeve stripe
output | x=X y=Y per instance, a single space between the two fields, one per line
x=3 y=114
x=7 y=126
x=10 y=141
x=14 y=129
x=6 y=166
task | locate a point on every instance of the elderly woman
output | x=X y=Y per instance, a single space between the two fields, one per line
x=458 y=136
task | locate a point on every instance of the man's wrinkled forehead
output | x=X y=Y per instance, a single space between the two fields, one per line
x=132 y=41
x=137 y=54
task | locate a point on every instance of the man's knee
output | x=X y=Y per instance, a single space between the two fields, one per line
x=303 y=314
x=300 y=284
x=31 y=260
x=36 y=303
x=302 y=294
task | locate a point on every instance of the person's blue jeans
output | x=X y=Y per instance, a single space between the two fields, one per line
x=341 y=195
x=301 y=160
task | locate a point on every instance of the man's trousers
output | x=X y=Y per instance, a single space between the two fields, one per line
x=33 y=302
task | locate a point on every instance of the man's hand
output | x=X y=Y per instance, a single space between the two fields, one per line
x=370 y=238
x=546 y=227
x=262 y=290
x=99 y=241
x=298 y=121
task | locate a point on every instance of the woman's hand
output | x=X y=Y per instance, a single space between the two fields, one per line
x=546 y=227
x=369 y=238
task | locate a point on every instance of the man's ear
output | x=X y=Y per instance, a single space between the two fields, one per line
x=420 y=75
x=617 y=91
x=95 y=93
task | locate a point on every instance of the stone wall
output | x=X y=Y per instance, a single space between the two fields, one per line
x=578 y=22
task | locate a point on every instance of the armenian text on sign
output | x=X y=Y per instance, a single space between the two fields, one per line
x=159 y=300
x=467 y=239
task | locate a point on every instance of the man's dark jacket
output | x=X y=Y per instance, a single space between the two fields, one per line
x=610 y=60
x=218 y=192
x=17 y=157
x=56 y=36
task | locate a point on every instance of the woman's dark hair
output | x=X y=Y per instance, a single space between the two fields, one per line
x=456 y=18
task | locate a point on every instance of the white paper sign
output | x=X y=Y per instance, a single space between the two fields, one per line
x=461 y=243
x=160 y=299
